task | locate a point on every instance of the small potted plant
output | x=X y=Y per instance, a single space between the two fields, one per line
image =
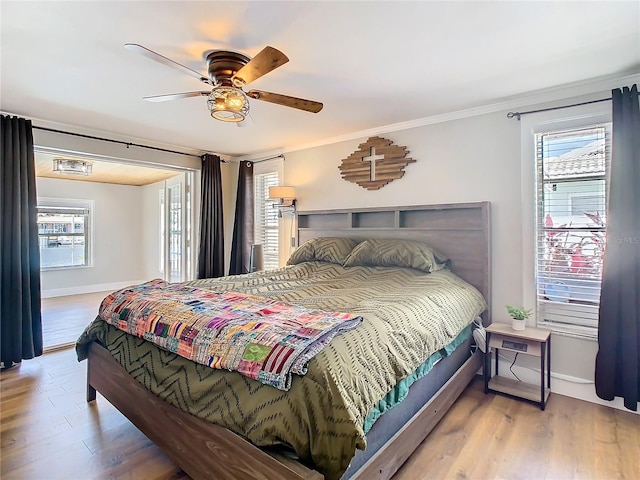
x=519 y=316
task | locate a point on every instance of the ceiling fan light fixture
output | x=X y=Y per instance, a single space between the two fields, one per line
x=228 y=104
x=228 y=73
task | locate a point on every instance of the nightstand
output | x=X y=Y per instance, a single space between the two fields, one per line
x=530 y=341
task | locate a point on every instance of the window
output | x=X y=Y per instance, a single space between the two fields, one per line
x=584 y=203
x=266 y=229
x=63 y=234
x=571 y=193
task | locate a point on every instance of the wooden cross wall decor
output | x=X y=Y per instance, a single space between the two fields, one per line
x=376 y=163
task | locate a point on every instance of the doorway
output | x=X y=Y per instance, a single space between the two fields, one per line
x=118 y=241
x=176 y=262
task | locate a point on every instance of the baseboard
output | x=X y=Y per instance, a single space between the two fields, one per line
x=80 y=289
x=580 y=388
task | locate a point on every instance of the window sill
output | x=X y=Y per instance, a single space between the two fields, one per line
x=70 y=267
x=573 y=331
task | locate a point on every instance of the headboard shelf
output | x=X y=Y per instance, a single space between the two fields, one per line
x=323 y=220
x=374 y=219
x=459 y=231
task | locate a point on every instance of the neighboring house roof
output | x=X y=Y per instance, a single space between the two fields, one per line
x=586 y=161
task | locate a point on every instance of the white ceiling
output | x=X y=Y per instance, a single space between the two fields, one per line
x=370 y=63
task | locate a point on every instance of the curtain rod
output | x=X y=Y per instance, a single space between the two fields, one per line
x=128 y=144
x=519 y=114
x=265 y=159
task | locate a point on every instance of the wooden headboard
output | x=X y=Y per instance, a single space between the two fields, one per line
x=459 y=230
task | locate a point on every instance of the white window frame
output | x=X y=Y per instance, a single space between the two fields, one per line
x=62 y=203
x=561 y=119
x=275 y=165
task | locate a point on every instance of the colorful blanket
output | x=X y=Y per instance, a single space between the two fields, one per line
x=262 y=338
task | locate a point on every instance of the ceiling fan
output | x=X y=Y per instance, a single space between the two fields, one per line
x=228 y=73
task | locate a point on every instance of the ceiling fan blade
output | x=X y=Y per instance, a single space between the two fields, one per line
x=175 y=96
x=287 y=101
x=134 y=47
x=265 y=61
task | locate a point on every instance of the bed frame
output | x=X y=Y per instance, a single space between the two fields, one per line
x=203 y=450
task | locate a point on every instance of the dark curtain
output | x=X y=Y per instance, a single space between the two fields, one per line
x=20 y=315
x=211 y=253
x=243 y=223
x=618 y=359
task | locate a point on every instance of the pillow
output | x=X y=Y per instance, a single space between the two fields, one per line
x=387 y=252
x=323 y=249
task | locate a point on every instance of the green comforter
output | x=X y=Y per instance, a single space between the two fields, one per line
x=408 y=315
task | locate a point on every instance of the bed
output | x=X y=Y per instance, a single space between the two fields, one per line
x=206 y=450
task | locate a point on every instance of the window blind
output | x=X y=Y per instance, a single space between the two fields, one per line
x=266 y=231
x=572 y=168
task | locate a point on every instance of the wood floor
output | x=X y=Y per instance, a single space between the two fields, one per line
x=64 y=318
x=49 y=432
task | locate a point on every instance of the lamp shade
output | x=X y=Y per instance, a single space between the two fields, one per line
x=282 y=192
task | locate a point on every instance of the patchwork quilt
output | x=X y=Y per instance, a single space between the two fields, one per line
x=262 y=338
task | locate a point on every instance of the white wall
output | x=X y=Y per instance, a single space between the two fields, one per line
x=117 y=247
x=469 y=159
